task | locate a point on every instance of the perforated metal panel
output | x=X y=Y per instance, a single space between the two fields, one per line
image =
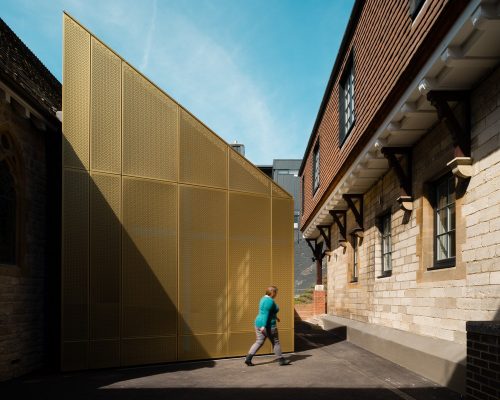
x=104 y=353
x=105 y=256
x=105 y=137
x=202 y=260
x=148 y=350
x=149 y=240
x=240 y=342
x=74 y=355
x=286 y=340
x=249 y=257
x=201 y=347
x=150 y=123
x=165 y=256
x=283 y=258
x=75 y=261
x=278 y=192
x=76 y=95
x=245 y=177
x=203 y=156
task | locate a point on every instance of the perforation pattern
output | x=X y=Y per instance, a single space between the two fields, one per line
x=203 y=156
x=148 y=350
x=105 y=256
x=76 y=95
x=239 y=343
x=249 y=257
x=106 y=110
x=75 y=262
x=283 y=258
x=202 y=260
x=104 y=353
x=149 y=258
x=149 y=129
x=201 y=347
x=278 y=192
x=74 y=355
x=245 y=177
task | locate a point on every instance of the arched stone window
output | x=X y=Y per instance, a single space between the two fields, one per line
x=10 y=201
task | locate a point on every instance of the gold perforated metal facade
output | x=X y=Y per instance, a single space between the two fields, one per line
x=169 y=236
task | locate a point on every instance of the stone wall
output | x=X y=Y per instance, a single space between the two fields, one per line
x=434 y=303
x=23 y=288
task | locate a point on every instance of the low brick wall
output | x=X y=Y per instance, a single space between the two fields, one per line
x=483 y=360
x=309 y=310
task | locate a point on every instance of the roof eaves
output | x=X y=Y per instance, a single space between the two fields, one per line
x=351 y=25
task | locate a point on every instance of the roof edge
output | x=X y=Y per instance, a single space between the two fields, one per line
x=351 y=25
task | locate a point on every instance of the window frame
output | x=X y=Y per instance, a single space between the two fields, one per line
x=414 y=8
x=355 y=258
x=12 y=158
x=382 y=219
x=316 y=163
x=347 y=74
x=450 y=261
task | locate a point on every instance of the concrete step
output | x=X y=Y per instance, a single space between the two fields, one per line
x=439 y=360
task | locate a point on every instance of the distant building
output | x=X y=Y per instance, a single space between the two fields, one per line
x=239 y=147
x=286 y=174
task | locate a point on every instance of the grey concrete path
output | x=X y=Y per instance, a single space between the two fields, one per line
x=324 y=367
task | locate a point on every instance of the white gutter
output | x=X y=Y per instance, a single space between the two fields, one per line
x=379 y=140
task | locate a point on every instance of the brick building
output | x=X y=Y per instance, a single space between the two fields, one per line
x=401 y=178
x=29 y=156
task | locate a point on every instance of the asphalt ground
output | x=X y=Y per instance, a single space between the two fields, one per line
x=324 y=366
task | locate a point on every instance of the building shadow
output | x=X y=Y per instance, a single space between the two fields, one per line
x=309 y=336
x=118 y=309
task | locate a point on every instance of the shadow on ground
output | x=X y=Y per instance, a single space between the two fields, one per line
x=324 y=366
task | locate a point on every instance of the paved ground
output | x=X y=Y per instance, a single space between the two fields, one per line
x=324 y=367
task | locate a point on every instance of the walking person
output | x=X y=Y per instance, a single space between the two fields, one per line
x=265 y=327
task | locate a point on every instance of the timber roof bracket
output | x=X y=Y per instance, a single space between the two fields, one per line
x=316 y=248
x=357 y=210
x=340 y=219
x=404 y=174
x=325 y=232
x=461 y=164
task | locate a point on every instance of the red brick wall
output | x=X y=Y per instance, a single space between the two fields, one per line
x=389 y=49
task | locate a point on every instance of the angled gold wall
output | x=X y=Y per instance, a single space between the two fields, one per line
x=169 y=236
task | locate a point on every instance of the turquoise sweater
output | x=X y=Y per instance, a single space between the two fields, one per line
x=267 y=313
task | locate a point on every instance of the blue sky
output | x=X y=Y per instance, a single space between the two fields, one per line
x=253 y=70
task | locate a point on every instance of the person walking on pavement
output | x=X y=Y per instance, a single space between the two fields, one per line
x=265 y=327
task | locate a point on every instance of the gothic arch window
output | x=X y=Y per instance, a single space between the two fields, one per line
x=10 y=201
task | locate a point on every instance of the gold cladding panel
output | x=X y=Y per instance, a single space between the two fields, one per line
x=203 y=156
x=202 y=260
x=148 y=350
x=249 y=257
x=74 y=355
x=278 y=192
x=150 y=124
x=200 y=347
x=76 y=95
x=105 y=134
x=149 y=254
x=105 y=254
x=75 y=259
x=104 y=353
x=246 y=177
x=286 y=337
x=283 y=258
x=240 y=342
